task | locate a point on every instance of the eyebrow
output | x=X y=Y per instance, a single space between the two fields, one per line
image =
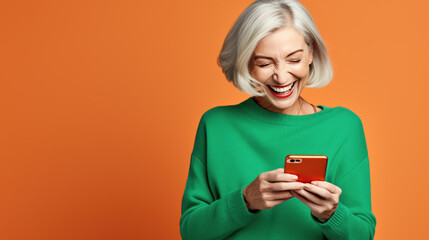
x=258 y=56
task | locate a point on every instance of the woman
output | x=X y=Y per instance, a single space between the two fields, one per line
x=236 y=187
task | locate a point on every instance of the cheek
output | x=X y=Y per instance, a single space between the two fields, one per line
x=261 y=75
x=300 y=70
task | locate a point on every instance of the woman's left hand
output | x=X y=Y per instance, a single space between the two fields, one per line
x=322 y=197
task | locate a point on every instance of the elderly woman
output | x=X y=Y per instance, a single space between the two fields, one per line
x=236 y=186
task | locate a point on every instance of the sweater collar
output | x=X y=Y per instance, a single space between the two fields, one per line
x=253 y=108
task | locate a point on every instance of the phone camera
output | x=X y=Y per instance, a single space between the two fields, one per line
x=292 y=160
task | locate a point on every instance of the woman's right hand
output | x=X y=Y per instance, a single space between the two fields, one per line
x=270 y=189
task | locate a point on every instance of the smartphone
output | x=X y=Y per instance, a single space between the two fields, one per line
x=307 y=167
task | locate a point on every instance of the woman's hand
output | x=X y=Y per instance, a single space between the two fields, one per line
x=270 y=189
x=322 y=198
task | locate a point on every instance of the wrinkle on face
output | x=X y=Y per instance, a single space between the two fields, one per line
x=274 y=62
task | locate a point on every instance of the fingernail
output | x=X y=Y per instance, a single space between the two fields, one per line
x=313 y=182
x=295 y=177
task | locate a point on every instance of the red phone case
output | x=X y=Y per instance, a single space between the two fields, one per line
x=307 y=167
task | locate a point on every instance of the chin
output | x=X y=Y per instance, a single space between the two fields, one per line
x=281 y=105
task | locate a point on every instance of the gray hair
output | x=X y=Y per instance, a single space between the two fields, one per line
x=258 y=20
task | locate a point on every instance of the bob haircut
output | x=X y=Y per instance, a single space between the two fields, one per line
x=258 y=20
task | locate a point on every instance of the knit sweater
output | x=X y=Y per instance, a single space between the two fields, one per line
x=236 y=143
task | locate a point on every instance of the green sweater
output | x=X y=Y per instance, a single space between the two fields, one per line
x=236 y=143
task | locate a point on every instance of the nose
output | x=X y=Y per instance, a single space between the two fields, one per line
x=281 y=74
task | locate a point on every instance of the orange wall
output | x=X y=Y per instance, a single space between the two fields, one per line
x=100 y=101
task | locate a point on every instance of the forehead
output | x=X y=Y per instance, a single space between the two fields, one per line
x=283 y=41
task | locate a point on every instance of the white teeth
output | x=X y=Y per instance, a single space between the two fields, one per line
x=282 y=89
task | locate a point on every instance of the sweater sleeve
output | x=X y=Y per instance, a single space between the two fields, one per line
x=203 y=216
x=353 y=218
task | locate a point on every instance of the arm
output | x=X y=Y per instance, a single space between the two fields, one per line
x=203 y=216
x=353 y=218
x=206 y=218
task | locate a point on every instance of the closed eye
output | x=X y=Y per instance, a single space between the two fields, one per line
x=294 y=61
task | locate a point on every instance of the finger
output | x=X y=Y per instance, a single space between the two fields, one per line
x=310 y=204
x=284 y=186
x=328 y=186
x=279 y=175
x=311 y=197
x=321 y=192
x=283 y=195
x=274 y=203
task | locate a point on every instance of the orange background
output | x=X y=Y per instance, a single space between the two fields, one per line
x=100 y=102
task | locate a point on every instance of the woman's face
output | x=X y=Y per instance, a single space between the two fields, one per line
x=281 y=60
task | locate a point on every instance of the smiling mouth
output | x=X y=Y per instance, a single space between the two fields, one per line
x=283 y=85
x=282 y=90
